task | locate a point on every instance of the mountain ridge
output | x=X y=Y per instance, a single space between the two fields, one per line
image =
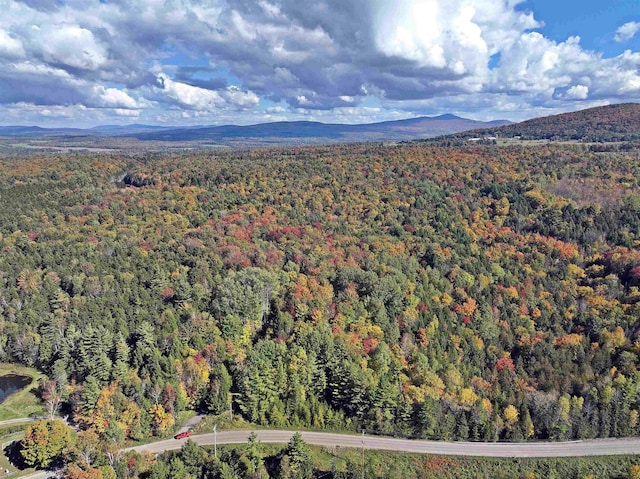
x=285 y=132
x=314 y=132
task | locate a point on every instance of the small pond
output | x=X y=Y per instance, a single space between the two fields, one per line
x=12 y=383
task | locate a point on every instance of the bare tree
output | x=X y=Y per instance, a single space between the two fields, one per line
x=52 y=398
x=155 y=392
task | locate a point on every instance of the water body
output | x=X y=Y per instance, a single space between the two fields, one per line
x=12 y=383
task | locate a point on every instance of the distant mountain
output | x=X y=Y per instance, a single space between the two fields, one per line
x=285 y=132
x=601 y=124
x=104 y=130
x=315 y=132
x=38 y=131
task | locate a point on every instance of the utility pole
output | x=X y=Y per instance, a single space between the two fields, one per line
x=363 y=454
x=215 y=440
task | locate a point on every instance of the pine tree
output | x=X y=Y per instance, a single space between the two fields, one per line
x=295 y=463
x=120 y=354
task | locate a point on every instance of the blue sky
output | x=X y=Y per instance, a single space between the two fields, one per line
x=595 y=21
x=184 y=62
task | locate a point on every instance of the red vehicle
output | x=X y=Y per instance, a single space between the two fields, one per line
x=182 y=435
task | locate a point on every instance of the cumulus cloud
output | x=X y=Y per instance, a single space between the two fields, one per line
x=187 y=60
x=627 y=31
x=545 y=71
x=188 y=96
x=577 y=92
x=68 y=45
x=113 y=98
x=193 y=97
x=431 y=34
x=10 y=47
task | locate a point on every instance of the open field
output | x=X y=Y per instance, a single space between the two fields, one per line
x=23 y=403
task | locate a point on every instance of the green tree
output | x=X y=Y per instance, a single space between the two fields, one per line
x=216 y=400
x=45 y=443
x=193 y=457
x=255 y=462
x=295 y=462
x=88 y=445
x=121 y=357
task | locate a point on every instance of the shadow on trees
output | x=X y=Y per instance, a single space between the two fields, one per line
x=13 y=453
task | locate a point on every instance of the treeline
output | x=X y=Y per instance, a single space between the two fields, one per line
x=475 y=293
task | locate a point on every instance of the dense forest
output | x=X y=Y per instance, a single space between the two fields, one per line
x=477 y=293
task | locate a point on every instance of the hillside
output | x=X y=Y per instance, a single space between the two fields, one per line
x=601 y=124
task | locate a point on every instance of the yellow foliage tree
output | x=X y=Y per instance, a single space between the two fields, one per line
x=76 y=472
x=162 y=420
x=104 y=409
x=568 y=340
x=194 y=374
x=511 y=416
x=467 y=397
x=614 y=339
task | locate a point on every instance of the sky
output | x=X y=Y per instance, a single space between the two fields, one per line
x=82 y=63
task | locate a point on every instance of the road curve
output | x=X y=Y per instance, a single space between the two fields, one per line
x=595 y=447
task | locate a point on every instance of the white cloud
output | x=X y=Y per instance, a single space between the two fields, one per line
x=544 y=71
x=113 y=98
x=534 y=63
x=31 y=69
x=240 y=98
x=270 y=9
x=189 y=96
x=55 y=115
x=324 y=58
x=197 y=98
x=627 y=31
x=302 y=100
x=127 y=113
x=243 y=29
x=577 y=92
x=411 y=30
x=69 y=45
x=454 y=38
x=10 y=47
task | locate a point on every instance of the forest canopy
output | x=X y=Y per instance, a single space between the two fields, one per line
x=453 y=293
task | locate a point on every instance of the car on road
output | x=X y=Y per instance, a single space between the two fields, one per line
x=182 y=435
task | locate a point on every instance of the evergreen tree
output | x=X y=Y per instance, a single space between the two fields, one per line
x=295 y=461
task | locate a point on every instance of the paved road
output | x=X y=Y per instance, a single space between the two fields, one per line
x=597 y=447
x=39 y=475
x=16 y=421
